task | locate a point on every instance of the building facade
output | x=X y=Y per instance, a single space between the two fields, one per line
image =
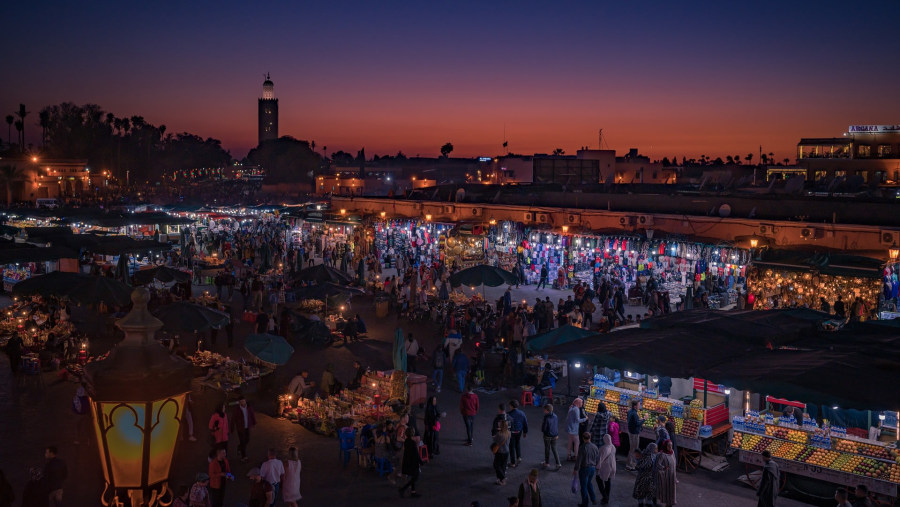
x=871 y=153
x=268 y=112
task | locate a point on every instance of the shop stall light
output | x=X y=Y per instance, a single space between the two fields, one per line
x=753 y=242
x=880 y=417
x=565 y=229
x=493 y=222
x=728 y=392
x=577 y=364
x=428 y=218
x=894 y=252
x=383 y=214
x=654 y=379
x=834 y=407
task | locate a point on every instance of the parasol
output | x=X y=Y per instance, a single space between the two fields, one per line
x=164 y=274
x=269 y=348
x=184 y=316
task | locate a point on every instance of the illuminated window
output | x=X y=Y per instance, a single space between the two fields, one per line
x=821 y=175
x=884 y=150
x=864 y=151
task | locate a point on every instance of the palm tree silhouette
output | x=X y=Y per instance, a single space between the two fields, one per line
x=22 y=113
x=9 y=123
x=20 y=129
x=10 y=174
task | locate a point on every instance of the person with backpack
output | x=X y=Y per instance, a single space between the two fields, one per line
x=438 y=363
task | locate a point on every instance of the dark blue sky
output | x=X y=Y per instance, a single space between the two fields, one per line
x=670 y=78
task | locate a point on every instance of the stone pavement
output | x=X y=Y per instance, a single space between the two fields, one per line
x=35 y=411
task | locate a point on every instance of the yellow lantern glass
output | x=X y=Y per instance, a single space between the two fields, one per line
x=137 y=440
x=753 y=242
x=894 y=252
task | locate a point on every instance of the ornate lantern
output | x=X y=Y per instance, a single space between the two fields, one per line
x=137 y=399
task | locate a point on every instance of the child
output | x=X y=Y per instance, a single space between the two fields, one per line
x=613 y=430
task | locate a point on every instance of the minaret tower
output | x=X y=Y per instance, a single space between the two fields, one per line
x=268 y=112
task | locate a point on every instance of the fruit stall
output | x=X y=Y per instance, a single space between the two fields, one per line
x=695 y=426
x=820 y=452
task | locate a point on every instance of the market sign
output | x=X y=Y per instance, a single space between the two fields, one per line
x=873 y=129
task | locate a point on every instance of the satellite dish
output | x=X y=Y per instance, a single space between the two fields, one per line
x=725 y=211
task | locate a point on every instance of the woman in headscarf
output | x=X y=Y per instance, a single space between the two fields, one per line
x=606 y=467
x=432 y=426
x=664 y=468
x=643 y=484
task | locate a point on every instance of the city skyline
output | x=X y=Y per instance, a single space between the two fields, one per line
x=669 y=81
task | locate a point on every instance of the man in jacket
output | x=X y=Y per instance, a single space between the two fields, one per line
x=468 y=407
x=242 y=420
x=461 y=367
x=55 y=473
x=550 y=429
x=586 y=468
x=501 y=416
x=573 y=421
x=635 y=423
x=769 y=482
x=600 y=426
x=518 y=427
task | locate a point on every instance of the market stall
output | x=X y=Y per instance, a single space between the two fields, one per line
x=697 y=425
x=381 y=396
x=822 y=452
x=226 y=374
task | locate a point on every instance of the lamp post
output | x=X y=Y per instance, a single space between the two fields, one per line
x=137 y=400
x=894 y=252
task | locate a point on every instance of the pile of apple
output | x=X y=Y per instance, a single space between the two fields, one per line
x=657 y=405
x=873 y=468
x=689 y=428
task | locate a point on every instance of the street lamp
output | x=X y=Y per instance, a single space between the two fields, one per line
x=137 y=399
x=894 y=252
x=753 y=242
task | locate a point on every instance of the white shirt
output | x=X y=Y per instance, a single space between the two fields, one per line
x=271 y=471
x=246 y=419
x=412 y=348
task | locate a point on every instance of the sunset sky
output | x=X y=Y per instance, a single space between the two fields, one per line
x=669 y=78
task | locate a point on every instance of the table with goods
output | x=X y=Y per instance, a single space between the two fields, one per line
x=823 y=452
x=380 y=397
x=222 y=372
x=695 y=426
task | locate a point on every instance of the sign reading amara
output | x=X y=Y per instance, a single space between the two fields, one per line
x=873 y=129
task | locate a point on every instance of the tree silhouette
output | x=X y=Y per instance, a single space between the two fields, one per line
x=446 y=149
x=9 y=123
x=22 y=113
x=286 y=159
x=786 y=161
x=729 y=159
x=44 y=122
x=749 y=158
x=737 y=159
x=558 y=152
x=10 y=174
x=20 y=133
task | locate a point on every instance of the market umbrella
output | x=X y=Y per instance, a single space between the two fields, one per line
x=558 y=336
x=269 y=348
x=57 y=283
x=399 y=352
x=321 y=273
x=324 y=290
x=93 y=289
x=164 y=274
x=483 y=274
x=184 y=316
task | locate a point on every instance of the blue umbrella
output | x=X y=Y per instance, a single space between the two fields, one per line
x=269 y=348
x=399 y=350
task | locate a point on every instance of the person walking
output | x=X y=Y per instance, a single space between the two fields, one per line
x=55 y=473
x=412 y=351
x=218 y=426
x=500 y=447
x=199 y=496
x=501 y=416
x=644 y=491
x=529 y=491
x=544 y=278
x=437 y=362
x=461 y=368
x=518 y=426
x=606 y=468
x=550 y=429
x=410 y=466
x=272 y=471
x=662 y=434
x=243 y=419
x=574 y=419
x=634 y=425
x=665 y=475
x=290 y=488
x=600 y=425
x=432 y=426
x=468 y=408
x=586 y=468
x=261 y=493
x=219 y=474
x=769 y=483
